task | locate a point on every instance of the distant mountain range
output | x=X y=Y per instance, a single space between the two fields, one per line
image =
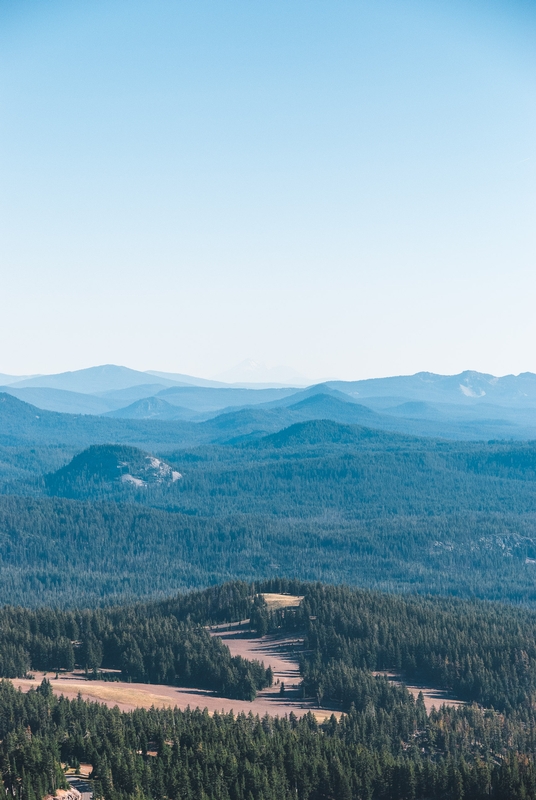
x=105 y=378
x=467 y=388
x=110 y=377
x=465 y=406
x=6 y=380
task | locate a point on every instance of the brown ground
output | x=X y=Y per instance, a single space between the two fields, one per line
x=274 y=601
x=433 y=698
x=84 y=771
x=279 y=653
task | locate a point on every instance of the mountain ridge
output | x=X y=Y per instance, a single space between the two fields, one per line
x=467 y=387
x=467 y=405
x=89 y=380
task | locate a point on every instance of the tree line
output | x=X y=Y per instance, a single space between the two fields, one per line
x=385 y=746
x=189 y=755
x=163 y=643
x=482 y=652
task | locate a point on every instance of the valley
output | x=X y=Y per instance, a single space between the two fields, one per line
x=190 y=673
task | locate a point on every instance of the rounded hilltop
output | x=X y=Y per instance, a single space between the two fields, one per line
x=110 y=468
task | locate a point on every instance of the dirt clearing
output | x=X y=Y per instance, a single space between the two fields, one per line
x=275 y=601
x=433 y=698
x=281 y=653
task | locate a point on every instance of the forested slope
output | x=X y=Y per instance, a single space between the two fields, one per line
x=188 y=754
x=66 y=552
x=482 y=652
x=314 y=467
x=385 y=748
x=318 y=500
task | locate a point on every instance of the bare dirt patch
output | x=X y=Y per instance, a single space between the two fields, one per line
x=128 y=696
x=275 y=601
x=433 y=697
x=281 y=653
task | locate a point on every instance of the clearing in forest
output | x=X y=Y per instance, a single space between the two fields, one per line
x=281 y=653
x=433 y=697
x=275 y=601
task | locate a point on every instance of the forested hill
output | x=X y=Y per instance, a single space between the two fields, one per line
x=482 y=652
x=327 y=432
x=317 y=500
x=312 y=467
x=163 y=643
x=104 y=469
x=23 y=424
x=324 y=469
x=385 y=747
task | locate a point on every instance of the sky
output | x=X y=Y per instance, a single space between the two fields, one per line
x=347 y=188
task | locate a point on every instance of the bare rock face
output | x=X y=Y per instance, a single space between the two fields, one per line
x=153 y=471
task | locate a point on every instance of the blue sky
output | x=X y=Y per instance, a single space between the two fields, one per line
x=344 y=187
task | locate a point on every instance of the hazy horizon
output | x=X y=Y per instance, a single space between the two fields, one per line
x=262 y=378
